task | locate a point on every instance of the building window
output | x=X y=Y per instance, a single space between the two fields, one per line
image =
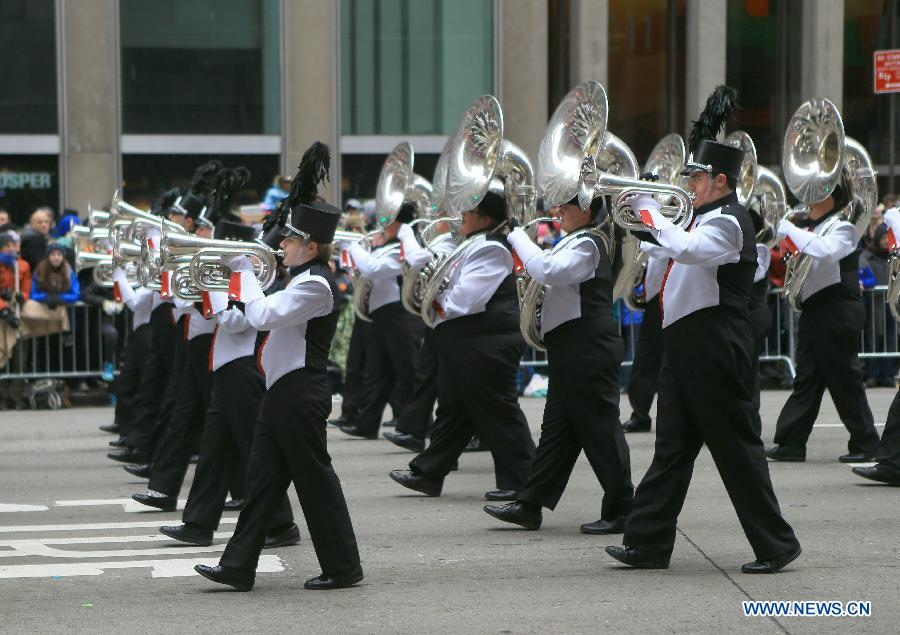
x=763 y=64
x=146 y=176
x=28 y=67
x=867 y=28
x=200 y=67
x=646 y=71
x=412 y=67
x=28 y=182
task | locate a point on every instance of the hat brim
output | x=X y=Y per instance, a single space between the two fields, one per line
x=693 y=168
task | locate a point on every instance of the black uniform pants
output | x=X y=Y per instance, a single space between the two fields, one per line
x=417 y=413
x=827 y=357
x=237 y=392
x=289 y=444
x=389 y=365
x=760 y=322
x=648 y=353
x=889 y=447
x=184 y=426
x=360 y=339
x=137 y=352
x=478 y=394
x=582 y=413
x=704 y=398
x=161 y=368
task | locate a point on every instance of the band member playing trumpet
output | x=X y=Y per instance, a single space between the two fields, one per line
x=704 y=394
x=289 y=442
x=584 y=351
x=479 y=347
x=833 y=312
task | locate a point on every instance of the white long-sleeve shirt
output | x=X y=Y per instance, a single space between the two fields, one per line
x=139 y=301
x=234 y=337
x=474 y=279
x=383 y=269
x=826 y=252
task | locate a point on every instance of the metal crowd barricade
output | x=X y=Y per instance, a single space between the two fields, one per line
x=78 y=352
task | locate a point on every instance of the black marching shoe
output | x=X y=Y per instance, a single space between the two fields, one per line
x=636 y=425
x=501 y=495
x=325 y=582
x=121 y=442
x=772 y=566
x=128 y=455
x=189 y=533
x=144 y=470
x=417 y=482
x=614 y=526
x=112 y=428
x=162 y=503
x=522 y=514
x=637 y=558
x=353 y=431
x=404 y=440
x=338 y=422
x=879 y=474
x=786 y=453
x=233 y=505
x=283 y=537
x=226 y=575
x=857 y=457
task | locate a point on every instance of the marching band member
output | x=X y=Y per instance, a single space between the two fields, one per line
x=887 y=470
x=289 y=442
x=479 y=347
x=584 y=352
x=389 y=356
x=703 y=388
x=833 y=313
x=760 y=313
x=414 y=419
x=237 y=392
x=648 y=350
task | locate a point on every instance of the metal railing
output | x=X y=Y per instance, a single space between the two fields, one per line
x=81 y=351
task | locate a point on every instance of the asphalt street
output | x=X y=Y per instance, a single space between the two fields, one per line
x=76 y=555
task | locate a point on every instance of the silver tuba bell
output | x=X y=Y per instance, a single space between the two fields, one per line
x=478 y=155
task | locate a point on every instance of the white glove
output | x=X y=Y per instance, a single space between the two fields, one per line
x=784 y=227
x=406 y=233
x=238 y=263
x=218 y=301
x=110 y=307
x=120 y=276
x=892 y=217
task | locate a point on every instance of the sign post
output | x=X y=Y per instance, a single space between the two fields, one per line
x=886 y=70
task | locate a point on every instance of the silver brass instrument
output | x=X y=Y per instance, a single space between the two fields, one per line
x=666 y=161
x=362 y=288
x=749 y=166
x=772 y=198
x=479 y=154
x=817 y=156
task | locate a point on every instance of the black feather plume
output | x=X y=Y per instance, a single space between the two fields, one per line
x=205 y=178
x=228 y=182
x=718 y=110
x=313 y=169
x=165 y=201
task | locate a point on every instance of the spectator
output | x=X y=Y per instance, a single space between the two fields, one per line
x=35 y=236
x=880 y=332
x=55 y=282
x=11 y=353
x=277 y=193
x=68 y=220
x=94 y=295
x=4 y=217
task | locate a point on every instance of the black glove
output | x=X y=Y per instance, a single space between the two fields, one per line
x=53 y=300
x=649 y=176
x=10 y=317
x=6 y=294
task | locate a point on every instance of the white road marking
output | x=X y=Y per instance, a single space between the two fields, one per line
x=96 y=540
x=10 y=507
x=172 y=568
x=13 y=529
x=128 y=504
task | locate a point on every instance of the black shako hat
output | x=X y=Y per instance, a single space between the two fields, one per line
x=314 y=221
x=707 y=154
x=230 y=230
x=493 y=205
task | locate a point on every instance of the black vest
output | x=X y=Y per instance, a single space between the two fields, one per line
x=596 y=293
x=320 y=330
x=736 y=279
x=848 y=287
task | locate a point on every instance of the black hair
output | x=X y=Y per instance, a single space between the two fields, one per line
x=406 y=213
x=730 y=180
x=598 y=205
x=494 y=206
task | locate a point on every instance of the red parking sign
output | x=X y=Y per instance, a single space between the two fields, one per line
x=887 y=71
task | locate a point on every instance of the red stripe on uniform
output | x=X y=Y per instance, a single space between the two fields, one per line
x=234 y=286
x=662 y=288
x=187 y=325
x=259 y=356
x=212 y=347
